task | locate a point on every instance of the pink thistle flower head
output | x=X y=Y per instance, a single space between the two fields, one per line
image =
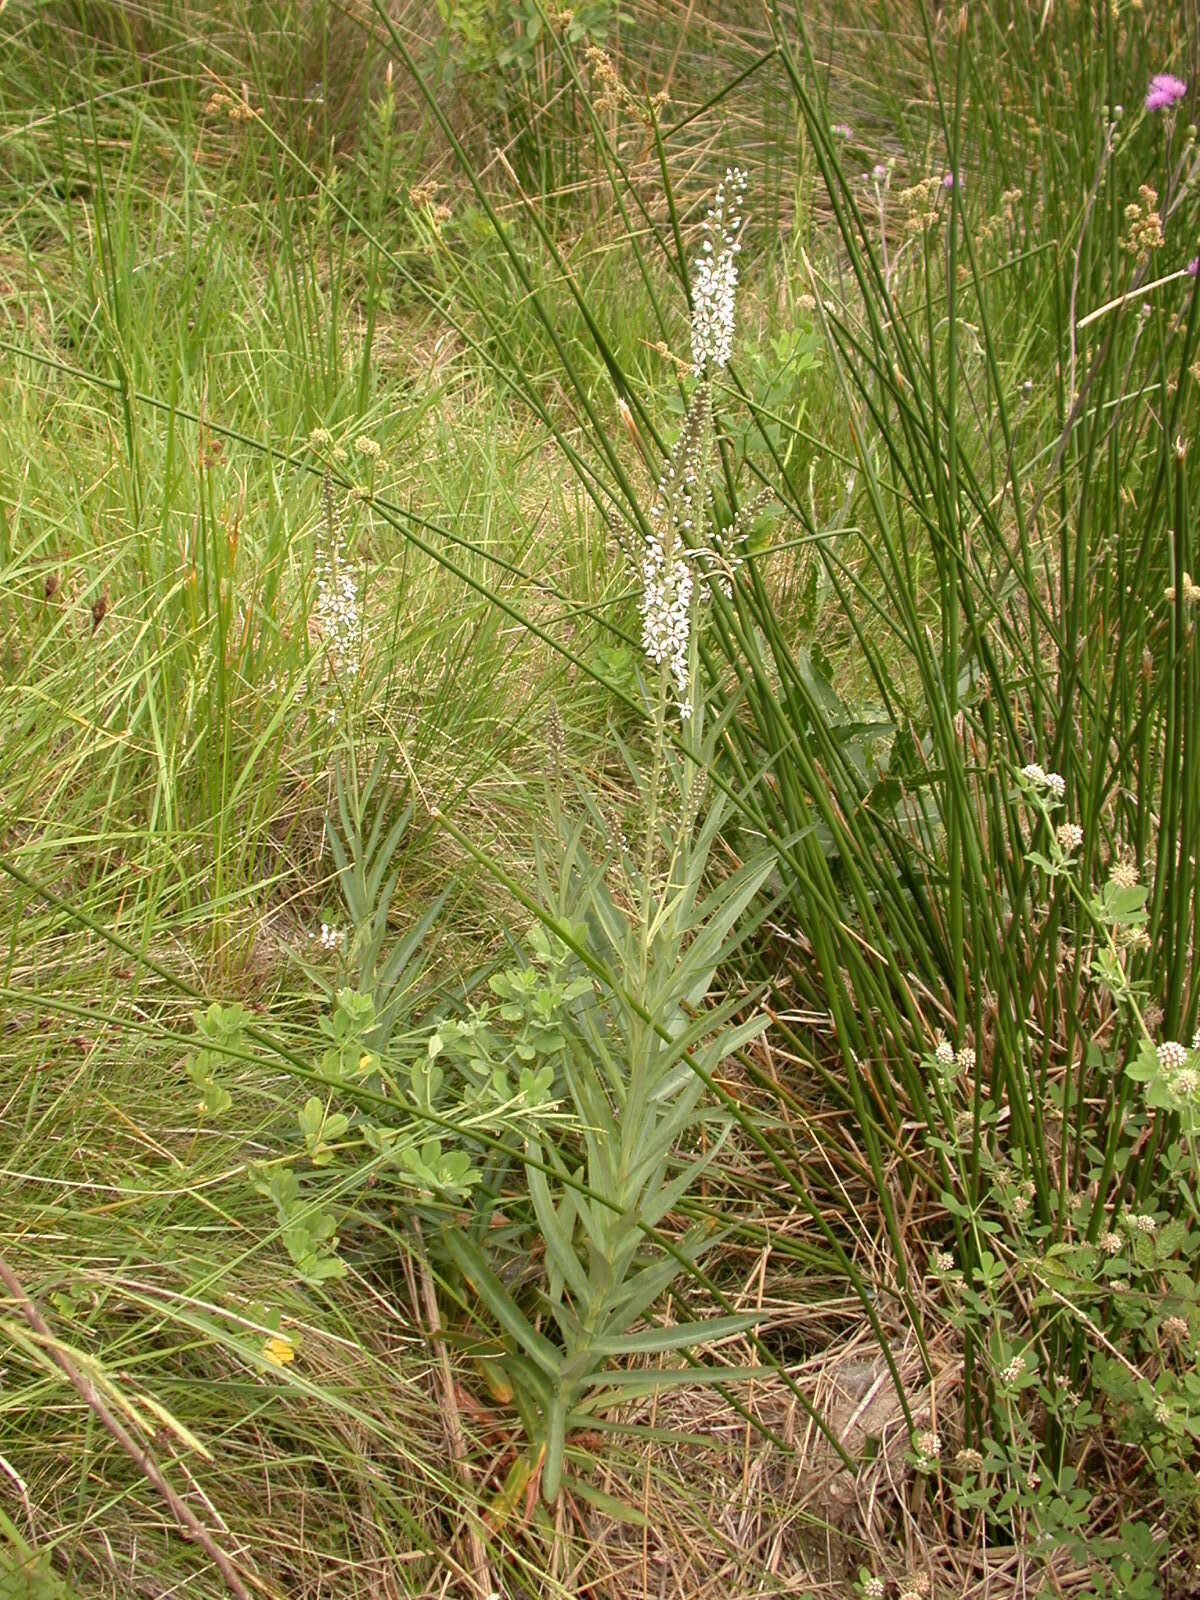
x=953 y=180
x=1165 y=90
x=1193 y=266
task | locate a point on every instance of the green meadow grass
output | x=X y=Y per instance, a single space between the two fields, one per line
x=224 y=231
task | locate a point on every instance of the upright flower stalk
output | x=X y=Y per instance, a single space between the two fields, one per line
x=641 y=1046
x=671 y=562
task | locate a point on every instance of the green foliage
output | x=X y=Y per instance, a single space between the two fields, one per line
x=636 y=1061
x=498 y=47
x=25 y=1574
x=347 y=1059
x=366 y=842
x=307 y=1228
x=977 y=550
x=221 y=1030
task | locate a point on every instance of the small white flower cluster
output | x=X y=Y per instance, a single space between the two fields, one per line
x=950 y=1060
x=928 y=1445
x=338 y=612
x=667 y=579
x=667 y=614
x=714 y=278
x=1174 y=1058
x=1052 y=782
x=331 y=938
x=676 y=571
x=1172 y=1055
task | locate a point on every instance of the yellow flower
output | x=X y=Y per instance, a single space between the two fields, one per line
x=278 y=1351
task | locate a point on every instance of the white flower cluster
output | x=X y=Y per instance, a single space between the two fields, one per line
x=1172 y=1056
x=1069 y=836
x=674 y=570
x=338 y=613
x=714 y=278
x=668 y=583
x=667 y=614
x=928 y=1445
x=1052 y=782
x=331 y=938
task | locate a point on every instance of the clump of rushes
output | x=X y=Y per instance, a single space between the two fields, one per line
x=641 y=1041
x=1018 y=585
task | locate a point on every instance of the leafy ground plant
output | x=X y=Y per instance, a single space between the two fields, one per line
x=315 y=445
x=613 y=1015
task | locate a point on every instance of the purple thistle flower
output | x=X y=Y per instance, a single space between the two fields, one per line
x=1193 y=266
x=953 y=180
x=1165 y=90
